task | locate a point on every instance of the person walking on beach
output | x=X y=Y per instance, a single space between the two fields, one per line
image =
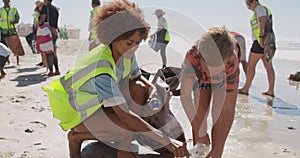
x=211 y=72
x=162 y=35
x=89 y=101
x=9 y=19
x=4 y=55
x=49 y=13
x=241 y=49
x=258 y=23
x=93 y=40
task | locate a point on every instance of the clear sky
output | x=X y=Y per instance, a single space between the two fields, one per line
x=206 y=13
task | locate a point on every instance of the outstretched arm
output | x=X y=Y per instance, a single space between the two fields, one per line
x=137 y=124
x=187 y=84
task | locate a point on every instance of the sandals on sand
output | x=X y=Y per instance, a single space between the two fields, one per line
x=241 y=92
x=266 y=93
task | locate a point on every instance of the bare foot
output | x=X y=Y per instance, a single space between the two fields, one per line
x=50 y=74
x=241 y=91
x=3 y=74
x=74 y=145
x=56 y=72
x=271 y=94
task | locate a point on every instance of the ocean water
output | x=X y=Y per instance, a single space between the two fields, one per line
x=287 y=43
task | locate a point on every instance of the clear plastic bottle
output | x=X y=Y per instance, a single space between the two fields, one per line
x=154 y=104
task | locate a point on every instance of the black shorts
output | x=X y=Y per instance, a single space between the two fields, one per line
x=256 y=48
x=3 y=39
x=3 y=60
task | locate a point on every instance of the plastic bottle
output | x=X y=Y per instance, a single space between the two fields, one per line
x=154 y=104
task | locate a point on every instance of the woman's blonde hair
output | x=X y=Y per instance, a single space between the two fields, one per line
x=216 y=46
x=119 y=20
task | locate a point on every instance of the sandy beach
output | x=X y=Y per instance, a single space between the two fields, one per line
x=263 y=127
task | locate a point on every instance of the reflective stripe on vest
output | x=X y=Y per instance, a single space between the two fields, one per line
x=255 y=25
x=167 y=36
x=7 y=17
x=71 y=105
x=72 y=85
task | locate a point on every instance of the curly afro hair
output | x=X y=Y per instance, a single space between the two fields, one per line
x=118 y=20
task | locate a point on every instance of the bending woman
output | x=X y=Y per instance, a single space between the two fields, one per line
x=89 y=101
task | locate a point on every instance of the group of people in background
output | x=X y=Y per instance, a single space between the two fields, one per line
x=63 y=34
x=43 y=12
x=92 y=94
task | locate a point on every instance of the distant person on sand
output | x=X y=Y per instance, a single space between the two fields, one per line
x=89 y=101
x=9 y=19
x=93 y=40
x=163 y=36
x=241 y=49
x=30 y=38
x=211 y=72
x=4 y=54
x=63 y=33
x=38 y=7
x=258 y=25
x=49 y=13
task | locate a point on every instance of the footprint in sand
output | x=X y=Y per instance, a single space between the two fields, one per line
x=38 y=109
x=17 y=99
x=39 y=124
x=24 y=154
x=6 y=143
x=6 y=153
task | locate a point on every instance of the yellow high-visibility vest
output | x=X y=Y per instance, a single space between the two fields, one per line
x=254 y=22
x=71 y=105
x=6 y=18
x=167 y=36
